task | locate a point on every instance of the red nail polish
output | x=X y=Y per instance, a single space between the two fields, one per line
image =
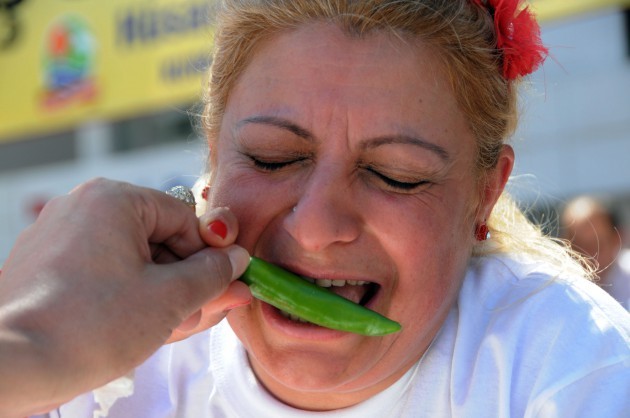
x=219 y=228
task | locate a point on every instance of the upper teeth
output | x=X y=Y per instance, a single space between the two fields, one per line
x=329 y=283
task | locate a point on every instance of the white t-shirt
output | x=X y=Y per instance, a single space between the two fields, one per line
x=518 y=343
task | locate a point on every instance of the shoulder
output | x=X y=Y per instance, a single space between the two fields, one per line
x=624 y=260
x=540 y=335
x=519 y=285
x=534 y=311
x=621 y=268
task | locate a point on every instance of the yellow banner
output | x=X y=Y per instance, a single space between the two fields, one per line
x=63 y=61
x=555 y=9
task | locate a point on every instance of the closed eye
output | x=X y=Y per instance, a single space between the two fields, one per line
x=396 y=184
x=270 y=166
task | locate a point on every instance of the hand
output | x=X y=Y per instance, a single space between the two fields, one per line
x=98 y=283
x=218 y=228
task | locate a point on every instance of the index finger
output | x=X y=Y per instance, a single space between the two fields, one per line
x=155 y=217
x=172 y=223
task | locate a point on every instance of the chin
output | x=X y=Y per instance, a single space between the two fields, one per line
x=302 y=356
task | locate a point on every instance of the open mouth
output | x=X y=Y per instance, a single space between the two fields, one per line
x=357 y=291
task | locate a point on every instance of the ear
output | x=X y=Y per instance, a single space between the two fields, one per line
x=495 y=181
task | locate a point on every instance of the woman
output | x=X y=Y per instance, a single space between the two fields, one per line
x=354 y=143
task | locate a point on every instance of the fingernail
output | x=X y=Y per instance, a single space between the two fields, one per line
x=219 y=228
x=239 y=258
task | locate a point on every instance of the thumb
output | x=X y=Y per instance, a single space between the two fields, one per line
x=186 y=285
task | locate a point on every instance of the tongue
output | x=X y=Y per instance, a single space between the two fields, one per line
x=350 y=292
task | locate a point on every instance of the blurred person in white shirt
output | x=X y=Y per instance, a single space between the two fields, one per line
x=593 y=229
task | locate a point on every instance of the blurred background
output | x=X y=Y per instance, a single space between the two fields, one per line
x=111 y=88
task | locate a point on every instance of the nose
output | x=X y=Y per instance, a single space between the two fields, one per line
x=326 y=212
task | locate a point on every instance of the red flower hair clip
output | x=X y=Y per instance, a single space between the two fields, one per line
x=518 y=36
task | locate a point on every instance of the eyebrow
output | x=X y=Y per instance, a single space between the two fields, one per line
x=278 y=123
x=440 y=151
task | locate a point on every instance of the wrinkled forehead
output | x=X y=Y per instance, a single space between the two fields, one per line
x=317 y=69
x=325 y=49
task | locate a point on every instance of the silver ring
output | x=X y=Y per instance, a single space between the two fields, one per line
x=184 y=194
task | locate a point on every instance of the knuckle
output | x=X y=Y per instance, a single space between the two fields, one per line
x=93 y=190
x=53 y=203
x=100 y=192
x=93 y=185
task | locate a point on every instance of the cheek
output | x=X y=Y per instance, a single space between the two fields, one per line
x=428 y=284
x=430 y=248
x=253 y=203
x=427 y=231
x=432 y=266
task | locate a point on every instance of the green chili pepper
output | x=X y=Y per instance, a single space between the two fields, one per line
x=315 y=304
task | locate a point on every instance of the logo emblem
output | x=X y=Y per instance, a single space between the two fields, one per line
x=68 y=63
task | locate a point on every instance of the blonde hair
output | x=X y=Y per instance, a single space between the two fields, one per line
x=461 y=31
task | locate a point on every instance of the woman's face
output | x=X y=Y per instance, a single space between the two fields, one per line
x=347 y=159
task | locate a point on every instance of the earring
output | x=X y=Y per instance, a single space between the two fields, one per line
x=482 y=232
x=204 y=192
